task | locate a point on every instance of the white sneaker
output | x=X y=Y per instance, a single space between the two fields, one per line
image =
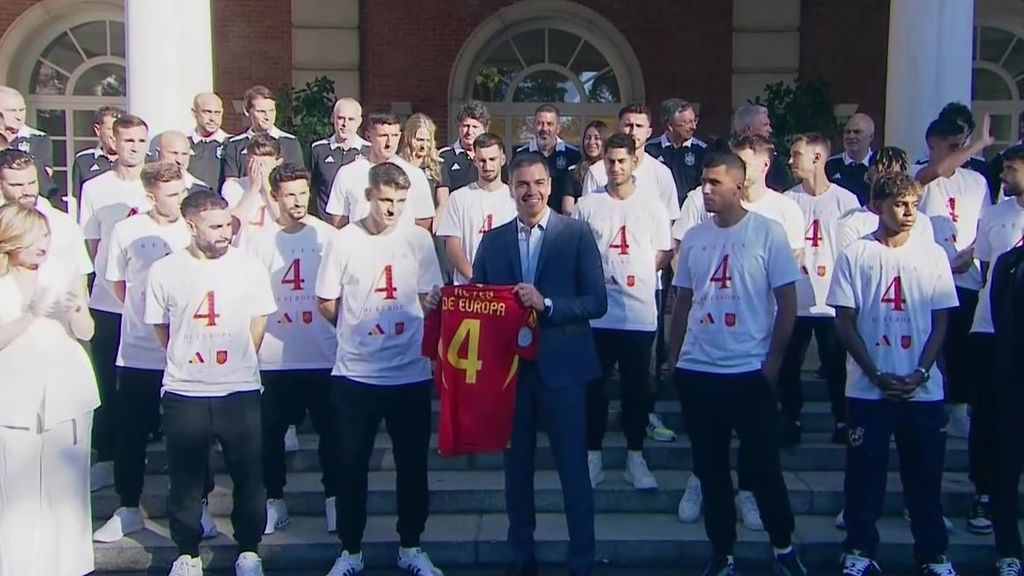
x=595 y=465
x=416 y=562
x=746 y=507
x=248 y=564
x=331 y=513
x=841 y=520
x=347 y=565
x=101 y=475
x=206 y=522
x=186 y=565
x=277 y=516
x=959 y=425
x=123 y=522
x=657 y=431
x=945 y=521
x=291 y=439
x=691 y=502
x=637 y=472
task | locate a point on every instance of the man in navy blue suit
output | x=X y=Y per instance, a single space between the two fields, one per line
x=555 y=266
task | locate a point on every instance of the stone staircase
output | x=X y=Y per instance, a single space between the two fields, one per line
x=467 y=526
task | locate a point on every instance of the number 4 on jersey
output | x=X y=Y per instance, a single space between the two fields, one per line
x=620 y=242
x=293 y=276
x=386 y=284
x=894 y=295
x=467 y=333
x=210 y=315
x=813 y=234
x=721 y=275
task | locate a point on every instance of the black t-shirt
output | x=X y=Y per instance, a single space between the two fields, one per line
x=686 y=162
x=854 y=176
x=457 y=168
x=89 y=163
x=234 y=162
x=561 y=163
x=39 y=145
x=207 y=156
x=326 y=158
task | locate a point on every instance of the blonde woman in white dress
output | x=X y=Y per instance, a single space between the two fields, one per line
x=48 y=393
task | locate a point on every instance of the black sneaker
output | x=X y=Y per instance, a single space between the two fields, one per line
x=791 y=434
x=979 y=521
x=721 y=566
x=839 y=434
x=855 y=564
x=788 y=564
x=940 y=566
x=1008 y=567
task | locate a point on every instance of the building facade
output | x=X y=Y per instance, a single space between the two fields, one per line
x=590 y=56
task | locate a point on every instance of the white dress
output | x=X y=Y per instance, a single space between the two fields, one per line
x=48 y=393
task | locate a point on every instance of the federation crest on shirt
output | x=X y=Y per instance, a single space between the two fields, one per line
x=399 y=328
x=560 y=163
x=24 y=146
x=307 y=317
x=856 y=436
x=905 y=342
x=222 y=357
x=730 y=319
x=689 y=159
x=220 y=152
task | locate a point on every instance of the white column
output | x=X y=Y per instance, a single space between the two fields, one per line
x=929 y=65
x=170 y=60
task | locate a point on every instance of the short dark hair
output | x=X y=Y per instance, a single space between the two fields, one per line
x=105 y=112
x=388 y=174
x=129 y=121
x=673 y=106
x=14 y=159
x=527 y=160
x=1014 y=153
x=730 y=161
x=547 y=108
x=382 y=119
x=894 y=185
x=202 y=201
x=257 y=92
x=156 y=173
x=943 y=128
x=755 y=143
x=486 y=140
x=636 y=108
x=475 y=110
x=814 y=139
x=959 y=113
x=263 y=144
x=622 y=142
x=287 y=173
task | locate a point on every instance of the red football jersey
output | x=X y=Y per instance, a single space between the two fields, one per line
x=477 y=336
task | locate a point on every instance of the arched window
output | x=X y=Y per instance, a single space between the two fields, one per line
x=80 y=69
x=546 y=52
x=998 y=81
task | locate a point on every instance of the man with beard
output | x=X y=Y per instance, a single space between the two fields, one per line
x=209 y=305
x=1000 y=229
x=298 y=352
x=475 y=210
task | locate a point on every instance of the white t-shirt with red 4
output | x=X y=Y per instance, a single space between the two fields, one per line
x=629 y=234
x=1001 y=230
x=209 y=306
x=732 y=273
x=894 y=291
x=298 y=337
x=378 y=279
x=955 y=205
x=473 y=212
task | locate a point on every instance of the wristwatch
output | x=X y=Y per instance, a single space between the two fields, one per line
x=547 y=306
x=925 y=375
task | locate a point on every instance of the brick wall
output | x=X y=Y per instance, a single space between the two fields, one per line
x=252 y=44
x=416 y=43
x=846 y=43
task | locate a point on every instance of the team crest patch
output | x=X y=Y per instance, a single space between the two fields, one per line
x=689 y=159
x=220 y=152
x=821 y=271
x=730 y=319
x=855 y=436
x=24 y=146
x=630 y=280
x=905 y=342
x=222 y=357
x=560 y=163
x=525 y=337
x=307 y=317
x=399 y=328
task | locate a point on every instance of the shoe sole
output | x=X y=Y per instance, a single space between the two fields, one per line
x=279 y=525
x=979 y=531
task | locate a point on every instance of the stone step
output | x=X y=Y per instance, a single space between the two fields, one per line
x=817 y=452
x=482 y=491
x=470 y=540
x=816 y=417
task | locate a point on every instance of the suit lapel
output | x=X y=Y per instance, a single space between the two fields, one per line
x=555 y=224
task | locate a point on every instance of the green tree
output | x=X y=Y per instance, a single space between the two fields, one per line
x=798 y=107
x=306 y=112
